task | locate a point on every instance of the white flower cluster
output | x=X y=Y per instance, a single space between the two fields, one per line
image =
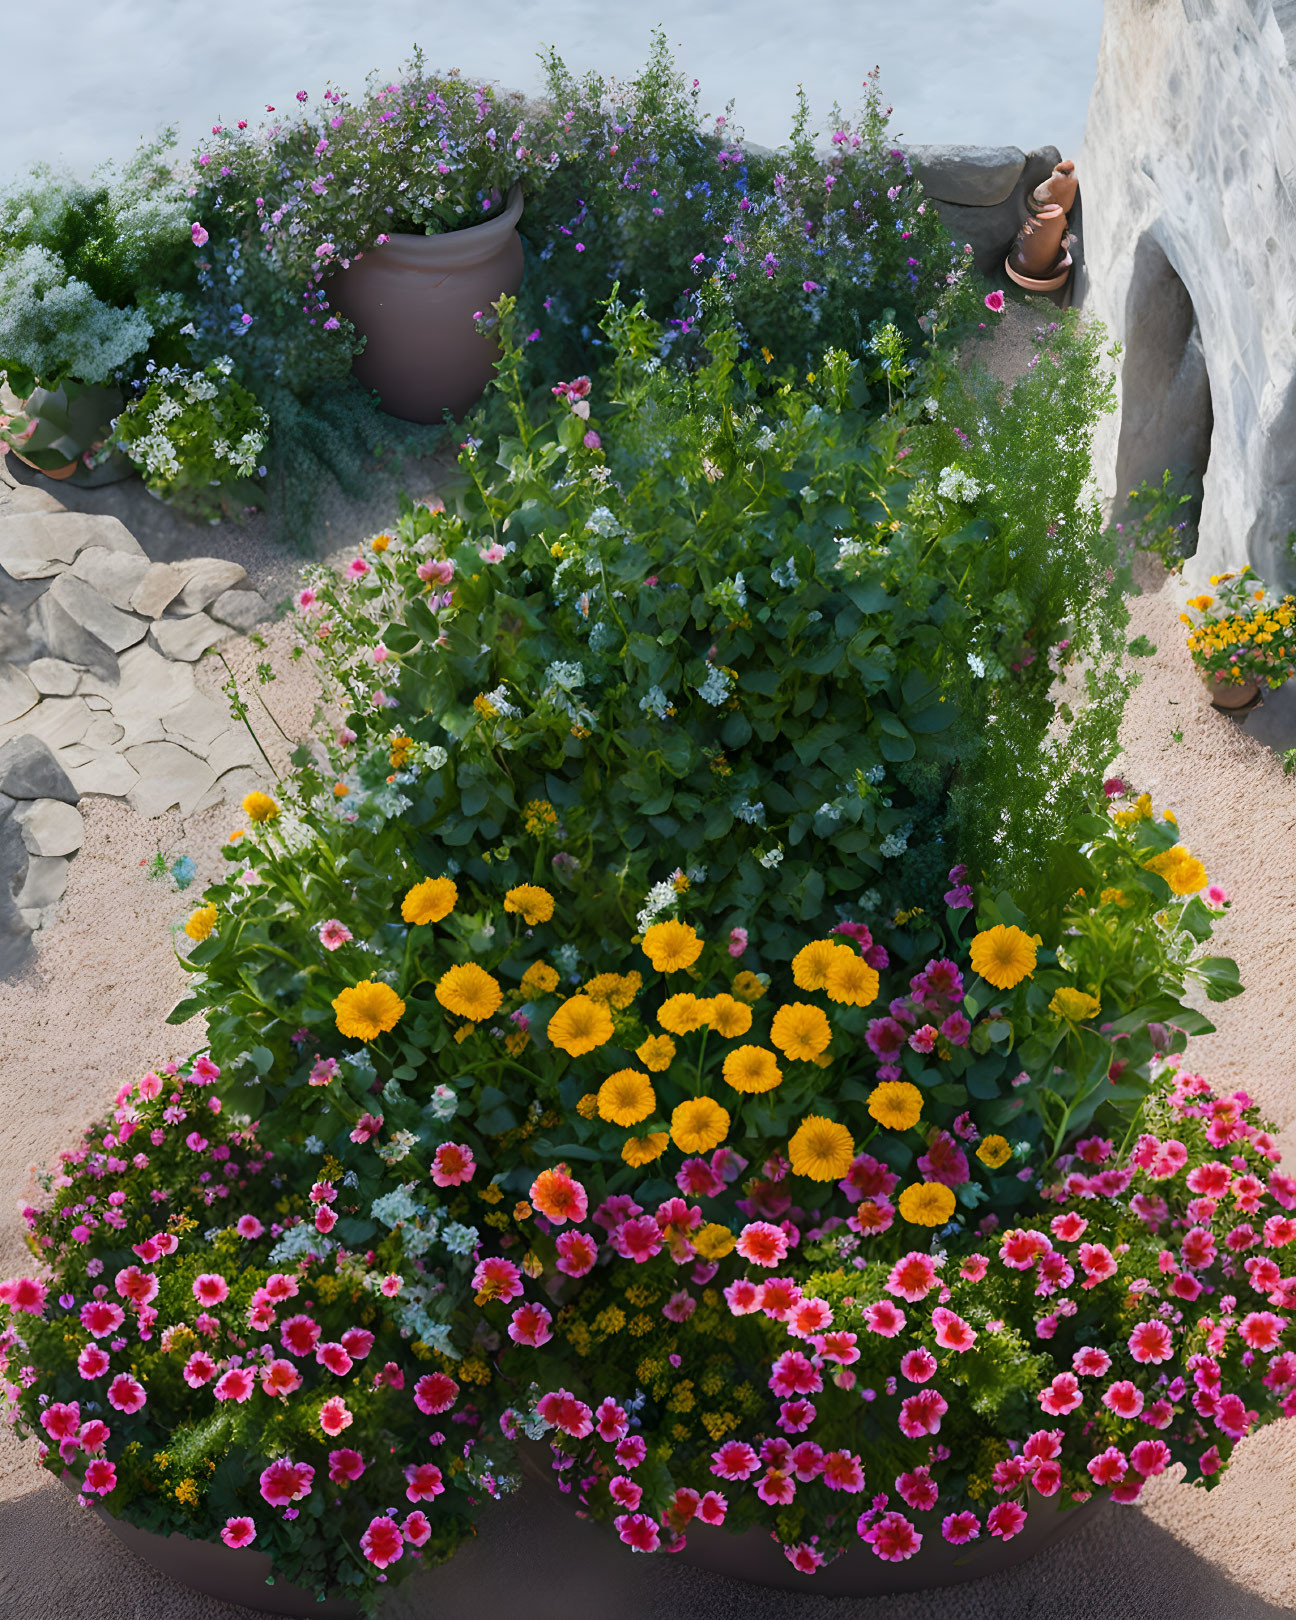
x=500 y=703
x=716 y=688
x=655 y=702
x=656 y=901
x=956 y=485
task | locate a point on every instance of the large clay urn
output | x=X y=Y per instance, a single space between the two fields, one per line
x=414 y=299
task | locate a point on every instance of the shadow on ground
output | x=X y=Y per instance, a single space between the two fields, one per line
x=533 y=1558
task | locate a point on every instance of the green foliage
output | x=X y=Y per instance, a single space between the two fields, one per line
x=1150 y=522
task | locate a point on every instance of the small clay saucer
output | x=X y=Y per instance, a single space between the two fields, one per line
x=1050 y=283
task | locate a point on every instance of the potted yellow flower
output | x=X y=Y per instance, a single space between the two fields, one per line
x=1240 y=638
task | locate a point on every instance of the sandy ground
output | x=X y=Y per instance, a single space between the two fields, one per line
x=90 y=1012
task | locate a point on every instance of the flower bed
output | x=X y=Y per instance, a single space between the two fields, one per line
x=1242 y=633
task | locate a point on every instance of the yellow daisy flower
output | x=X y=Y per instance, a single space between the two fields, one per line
x=1074 y=1005
x=539 y=979
x=469 y=991
x=994 y=1151
x=729 y=1017
x=260 y=807
x=656 y=1052
x=801 y=1032
x=430 y=900
x=534 y=904
x=752 y=1069
x=1003 y=956
x=895 y=1104
x=848 y=978
x=201 y=922
x=821 y=1149
x=927 y=1203
x=810 y=964
x=580 y=1025
x=367 y=1010
x=670 y=946
x=626 y=1098
x=683 y=1013
x=644 y=1149
x=699 y=1125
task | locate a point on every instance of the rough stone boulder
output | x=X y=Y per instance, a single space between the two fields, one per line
x=1189 y=162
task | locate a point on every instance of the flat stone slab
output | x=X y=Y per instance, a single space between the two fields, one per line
x=28 y=770
x=975 y=176
x=150 y=686
x=53 y=677
x=84 y=604
x=159 y=587
x=44 y=883
x=106 y=773
x=50 y=827
x=170 y=777
x=206 y=579
x=114 y=574
x=66 y=639
x=20 y=498
x=186 y=639
x=240 y=609
x=17 y=693
x=55 y=721
x=197 y=722
x=34 y=545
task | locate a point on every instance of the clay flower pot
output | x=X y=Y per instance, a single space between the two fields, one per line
x=414 y=299
x=1230 y=696
x=229 y=1574
x=69 y=421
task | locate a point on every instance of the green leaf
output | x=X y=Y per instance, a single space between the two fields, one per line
x=184 y=1010
x=262 y=1059
x=1220 y=976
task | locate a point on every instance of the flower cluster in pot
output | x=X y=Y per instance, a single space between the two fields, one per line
x=1242 y=633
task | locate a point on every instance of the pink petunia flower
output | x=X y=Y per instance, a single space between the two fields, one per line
x=239 y=1531
x=382 y=1543
x=435 y=1393
x=345 y=1466
x=424 y=1482
x=285 y=1482
x=892 y=1537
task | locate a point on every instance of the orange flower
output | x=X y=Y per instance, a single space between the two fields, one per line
x=558 y=1196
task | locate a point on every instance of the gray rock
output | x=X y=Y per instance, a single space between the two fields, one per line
x=52 y=677
x=15 y=929
x=170 y=777
x=28 y=770
x=34 y=545
x=992 y=230
x=50 y=827
x=17 y=694
x=186 y=639
x=18 y=594
x=44 y=883
x=231 y=749
x=94 y=613
x=107 y=773
x=207 y=578
x=114 y=574
x=975 y=176
x=241 y=609
x=65 y=638
x=156 y=591
x=150 y=687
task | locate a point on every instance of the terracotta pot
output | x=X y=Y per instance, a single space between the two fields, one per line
x=751 y=1556
x=1229 y=696
x=71 y=420
x=230 y=1574
x=414 y=299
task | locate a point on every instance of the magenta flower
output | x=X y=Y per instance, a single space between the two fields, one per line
x=994 y=301
x=239 y=1531
x=199 y=235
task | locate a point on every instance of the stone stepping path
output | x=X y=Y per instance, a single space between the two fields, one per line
x=98 y=692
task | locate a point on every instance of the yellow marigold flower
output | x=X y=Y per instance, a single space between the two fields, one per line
x=469 y=991
x=1183 y=872
x=430 y=901
x=380 y=542
x=1074 y=1005
x=485 y=707
x=400 y=749
x=1201 y=603
x=580 y=1025
x=201 y=922
x=994 y=1151
x=656 y=1052
x=713 y=1241
x=1113 y=897
x=260 y=807
x=539 y=979
x=626 y=1097
x=491 y=1193
x=810 y=964
x=531 y=902
x=748 y=987
x=587 y=1107
x=367 y=1010
x=683 y=1013
x=670 y=946
x=616 y=989
x=752 y=1069
x=517 y=1043
x=699 y=1125
x=801 y=1032
x=1003 y=956
x=848 y=978
x=729 y=1016
x=821 y=1149
x=895 y=1104
x=927 y=1203
x=644 y=1149
x=340 y=790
